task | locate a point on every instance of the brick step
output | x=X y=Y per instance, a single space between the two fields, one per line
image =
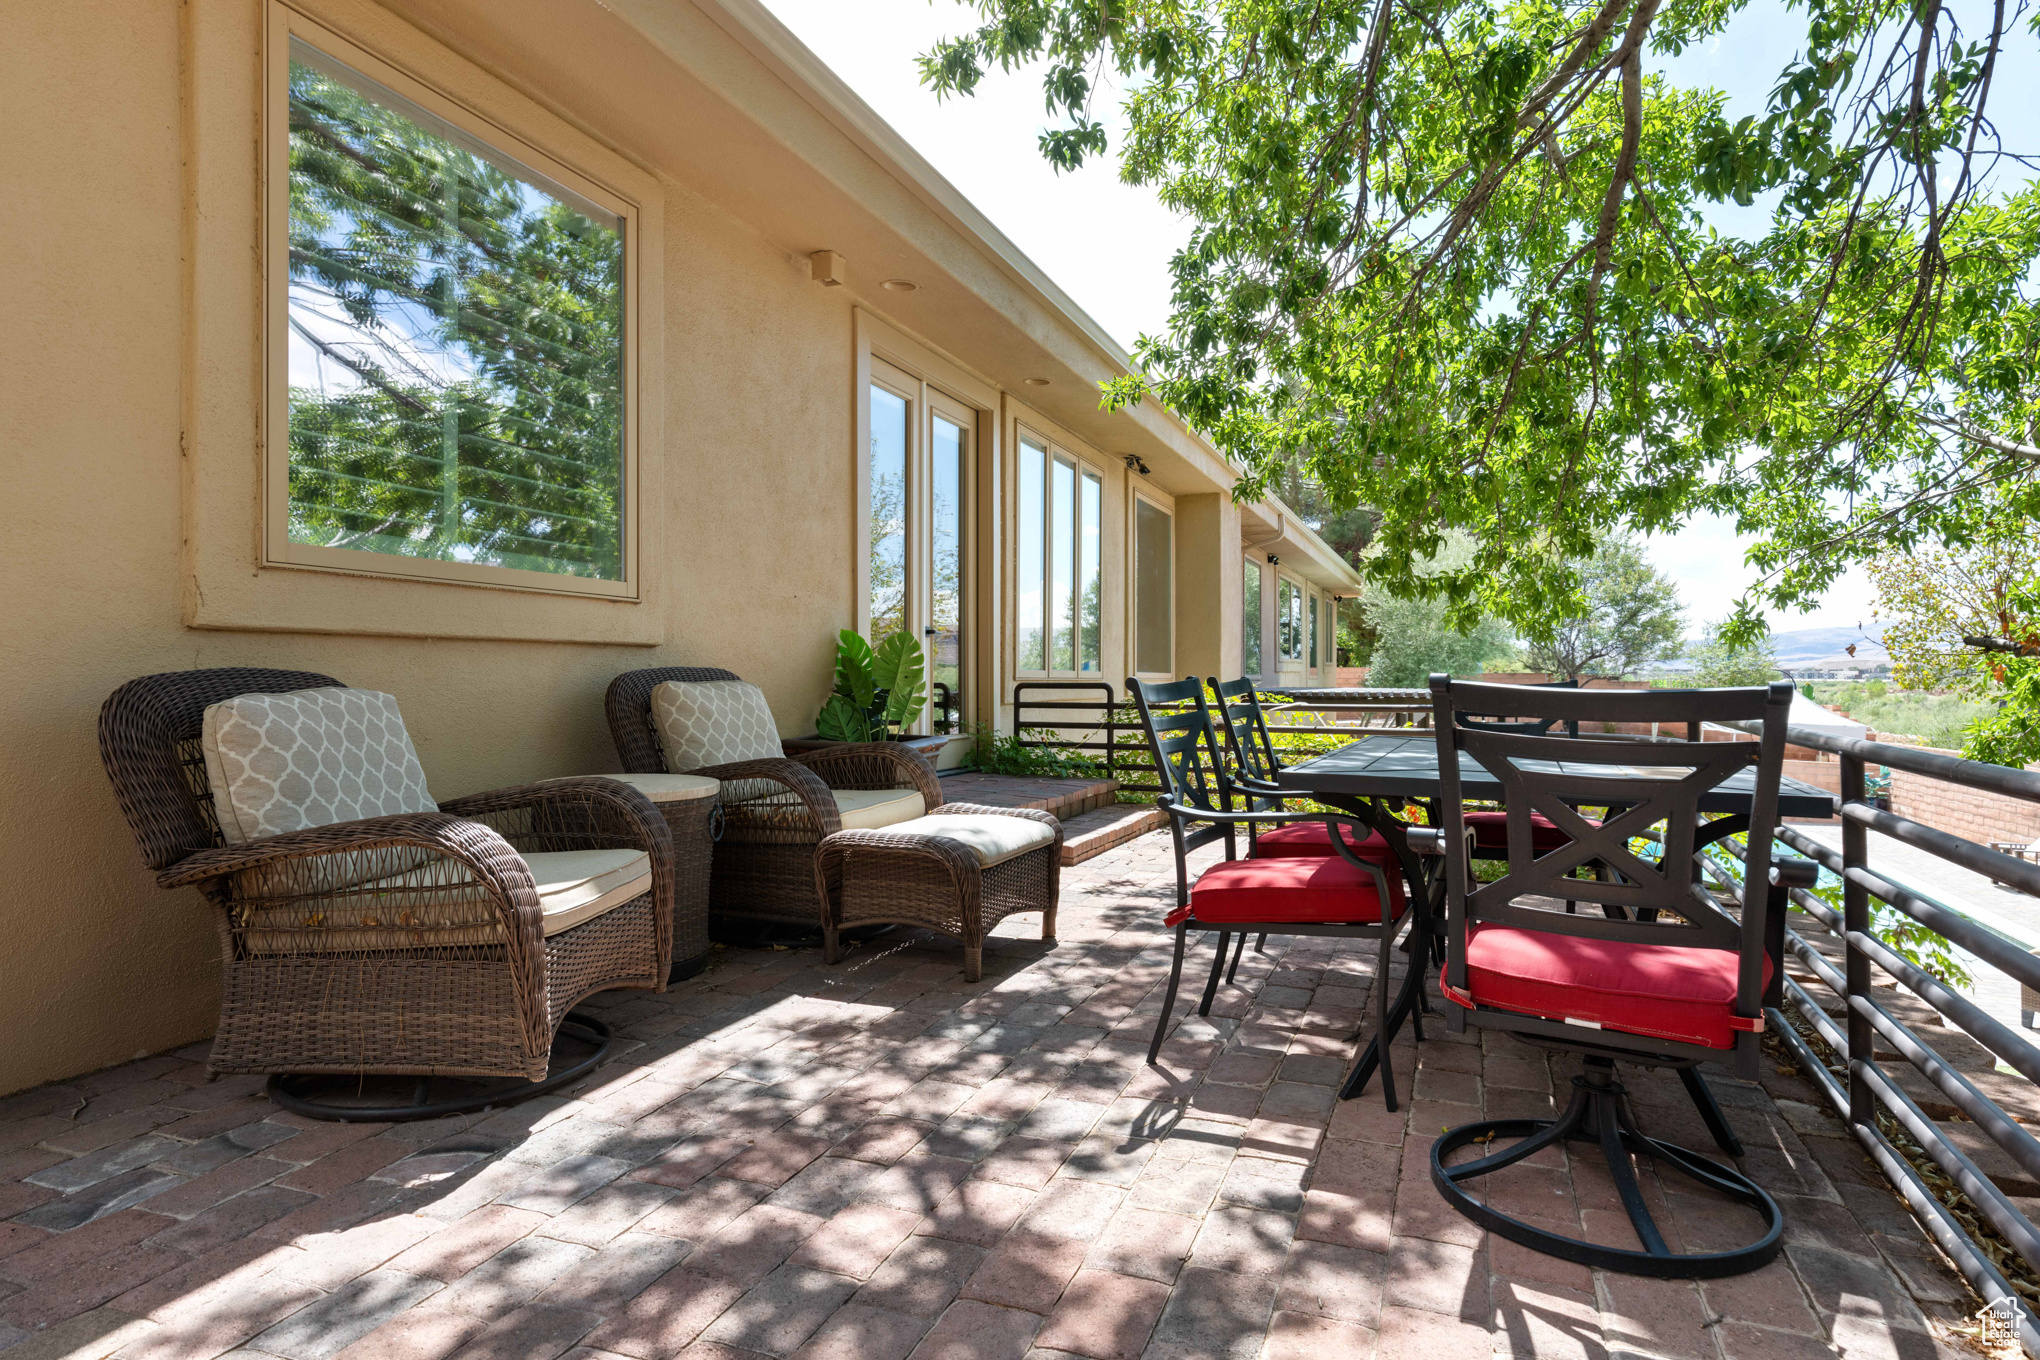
x=1092 y=833
x=1061 y=798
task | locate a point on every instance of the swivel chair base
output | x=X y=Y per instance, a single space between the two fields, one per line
x=581 y=1043
x=1598 y=1113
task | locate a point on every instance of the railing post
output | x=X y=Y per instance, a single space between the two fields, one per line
x=1856 y=972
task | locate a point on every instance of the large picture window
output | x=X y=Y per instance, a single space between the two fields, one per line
x=1059 y=591
x=457 y=349
x=1250 y=621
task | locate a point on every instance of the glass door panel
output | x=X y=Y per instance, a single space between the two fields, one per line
x=888 y=510
x=949 y=454
x=1028 y=540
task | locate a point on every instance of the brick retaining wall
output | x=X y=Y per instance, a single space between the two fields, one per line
x=1969 y=813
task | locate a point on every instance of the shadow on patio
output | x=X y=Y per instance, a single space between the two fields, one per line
x=878 y=1160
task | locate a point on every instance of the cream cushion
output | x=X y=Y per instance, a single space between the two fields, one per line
x=872 y=809
x=994 y=839
x=438 y=905
x=284 y=762
x=661 y=788
x=713 y=722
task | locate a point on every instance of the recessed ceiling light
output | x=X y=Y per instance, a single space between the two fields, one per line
x=1036 y=382
x=899 y=285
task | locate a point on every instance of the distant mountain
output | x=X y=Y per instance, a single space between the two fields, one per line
x=1827 y=648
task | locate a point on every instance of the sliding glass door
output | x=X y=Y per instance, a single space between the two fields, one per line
x=918 y=521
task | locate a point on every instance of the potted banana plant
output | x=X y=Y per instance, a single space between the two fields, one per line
x=879 y=693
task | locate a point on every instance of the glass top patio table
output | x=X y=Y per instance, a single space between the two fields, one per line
x=1405 y=765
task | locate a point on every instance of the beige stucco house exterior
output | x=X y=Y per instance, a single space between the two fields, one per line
x=800 y=290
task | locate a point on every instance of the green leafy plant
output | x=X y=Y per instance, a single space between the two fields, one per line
x=1012 y=755
x=879 y=691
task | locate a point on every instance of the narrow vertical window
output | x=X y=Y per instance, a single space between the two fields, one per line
x=455 y=344
x=1029 y=536
x=1090 y=582
x=949 y=448
x=1062 y=573
x=1250 y=621
x=888 y=513
x=1153 y=586
x=1313 y=635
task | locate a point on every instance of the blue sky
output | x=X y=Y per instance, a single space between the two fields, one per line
x=1108 y=244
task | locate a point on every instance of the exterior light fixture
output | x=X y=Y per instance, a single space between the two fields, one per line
x=827 y=268
x=1273 y=560
x=1133 y=464
x=899 y=285
x=1035 y=382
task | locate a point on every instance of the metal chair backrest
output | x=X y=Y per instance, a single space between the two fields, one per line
x=1177 y=721
x=1246 y=729
x=149 y=741
x=1501 y=720
x=1644 y=786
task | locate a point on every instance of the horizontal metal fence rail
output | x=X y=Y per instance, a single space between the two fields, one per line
x=1088 y=718
x=1868 y=1086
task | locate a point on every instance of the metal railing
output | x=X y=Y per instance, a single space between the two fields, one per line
x=1089 y=719
x=1863 y=1088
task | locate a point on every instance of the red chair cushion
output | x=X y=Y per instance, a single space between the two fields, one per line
x=1314 y=840
x=1291 y=888
x=1491 y=832
x=1660 y=990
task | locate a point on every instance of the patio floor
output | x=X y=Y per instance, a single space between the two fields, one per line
x=878 y=1160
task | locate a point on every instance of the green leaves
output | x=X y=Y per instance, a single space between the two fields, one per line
x=875 y=690
x=900 y=670
x=856 y=677
x=1425 y=268
x=842 y=720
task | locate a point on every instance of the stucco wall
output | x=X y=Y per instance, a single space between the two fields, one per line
x=101 y=965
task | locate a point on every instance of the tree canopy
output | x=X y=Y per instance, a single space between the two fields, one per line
x=1632 y=617
x=1454 y=259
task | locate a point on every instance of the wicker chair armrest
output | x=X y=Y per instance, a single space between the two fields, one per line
x=876 y=765
x=618 y=810
x=795 y=777
x=481 y=848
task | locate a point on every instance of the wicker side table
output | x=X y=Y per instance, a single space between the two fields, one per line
x=690 y=806
x=960 y=871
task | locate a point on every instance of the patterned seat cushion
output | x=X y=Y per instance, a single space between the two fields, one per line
x=285 y=762
x=715 y=722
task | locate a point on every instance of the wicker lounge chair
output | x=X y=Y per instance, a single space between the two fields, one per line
x=432 y=943
x=776 y=810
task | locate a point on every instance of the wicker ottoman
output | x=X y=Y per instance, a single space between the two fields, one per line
x=960 y=871
x=689 y=805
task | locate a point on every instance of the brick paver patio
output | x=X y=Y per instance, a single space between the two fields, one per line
x=878 y=1160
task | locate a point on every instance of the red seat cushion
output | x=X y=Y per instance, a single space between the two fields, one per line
x=1314 y=839
x=1660 y=990
x=1291 y=888
x=1491 y=832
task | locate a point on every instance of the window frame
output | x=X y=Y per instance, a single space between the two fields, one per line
x=276 y=547
x=1055 y=451
x=1295 y=593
